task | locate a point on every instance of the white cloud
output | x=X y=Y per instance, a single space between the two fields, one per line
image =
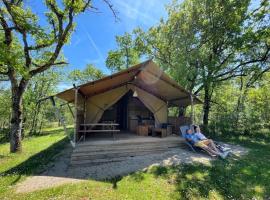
x=136 y=12
x=76 y=40
x=93 y=44
x=140 y=11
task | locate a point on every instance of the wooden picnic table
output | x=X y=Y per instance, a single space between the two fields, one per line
x=88 y=128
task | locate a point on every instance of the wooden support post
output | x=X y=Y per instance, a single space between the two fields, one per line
x=76 y=128
x=84 y=116
x=61 y=118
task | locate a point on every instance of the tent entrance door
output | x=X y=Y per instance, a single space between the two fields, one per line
x=122 y=112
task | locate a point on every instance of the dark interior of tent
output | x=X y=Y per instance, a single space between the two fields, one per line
x=128 y=112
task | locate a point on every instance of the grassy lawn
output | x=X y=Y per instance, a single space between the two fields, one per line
x=244 y=178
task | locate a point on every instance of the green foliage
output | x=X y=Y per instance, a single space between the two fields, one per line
x=28 y=48
x=36 y=113
x=230 y=115
x=125 y=55
x=90 y=73
x=5 y=113
x=205 y=44
x=4 y=108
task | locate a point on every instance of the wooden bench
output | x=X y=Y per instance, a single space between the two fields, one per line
x=87 y=128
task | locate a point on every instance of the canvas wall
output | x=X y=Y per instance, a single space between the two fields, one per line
x=96 y=105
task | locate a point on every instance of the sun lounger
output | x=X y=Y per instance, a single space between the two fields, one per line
x=183 y=130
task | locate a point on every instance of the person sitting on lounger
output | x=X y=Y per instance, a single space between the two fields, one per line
x=198 y=133
x=199 y=140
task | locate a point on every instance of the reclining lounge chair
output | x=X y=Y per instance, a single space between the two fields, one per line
x=183 y=130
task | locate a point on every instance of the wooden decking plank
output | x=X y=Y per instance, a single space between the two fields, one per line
x=115 y=152
x=99 y=152
x=119 y=148
x=127 y=142
x=109 y=159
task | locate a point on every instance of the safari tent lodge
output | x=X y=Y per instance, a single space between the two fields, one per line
x=133 y=101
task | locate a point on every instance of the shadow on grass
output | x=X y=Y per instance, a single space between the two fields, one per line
x=242 y=178
x=114 y=181
x=36 y=163
x=136 y=176
x=247 y=177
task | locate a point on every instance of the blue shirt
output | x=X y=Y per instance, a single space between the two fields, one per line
x=192 y=138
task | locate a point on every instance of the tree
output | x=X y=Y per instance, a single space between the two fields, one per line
x=125 y=55
x=27 y=48
x=90 y=73
x=40 y=86
x=253 y=116
x=203 y=43
x=4 y=108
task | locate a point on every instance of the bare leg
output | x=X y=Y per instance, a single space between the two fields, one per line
x=213 y=146
x=209 y=150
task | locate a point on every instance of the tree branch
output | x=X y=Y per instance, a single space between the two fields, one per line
x=7 y=30
x=261 y=59
x=62 y=36
x=41 y=46
x=112 y=9
x=20 y=30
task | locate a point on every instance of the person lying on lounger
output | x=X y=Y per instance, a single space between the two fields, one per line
x=197 y=139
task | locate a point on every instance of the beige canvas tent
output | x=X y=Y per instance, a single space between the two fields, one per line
x=143 y=90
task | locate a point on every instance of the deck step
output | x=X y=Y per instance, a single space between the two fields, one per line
x=129 y=141
x=115 y=153
x=107 y=159
x=124 y=147
x=131 y=149
x=97 y=153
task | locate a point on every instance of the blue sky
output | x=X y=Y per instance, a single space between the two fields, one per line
x=95 y=32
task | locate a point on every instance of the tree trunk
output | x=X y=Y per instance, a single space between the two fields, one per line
x=16 y=117
x=240 y=109
x=206 y=106
x=16 y=124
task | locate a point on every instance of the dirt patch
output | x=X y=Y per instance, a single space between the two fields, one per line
x=60 y=172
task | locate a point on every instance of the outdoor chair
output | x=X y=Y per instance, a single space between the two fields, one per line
x=183 y=130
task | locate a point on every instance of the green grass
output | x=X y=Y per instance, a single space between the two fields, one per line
x=37 y=152
x=243 y=178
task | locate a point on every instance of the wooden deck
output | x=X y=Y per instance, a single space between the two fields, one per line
x=99 y=149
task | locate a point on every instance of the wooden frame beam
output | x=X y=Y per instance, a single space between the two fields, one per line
x=79 y=90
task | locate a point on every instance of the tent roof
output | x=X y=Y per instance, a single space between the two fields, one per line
x=147 y=76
